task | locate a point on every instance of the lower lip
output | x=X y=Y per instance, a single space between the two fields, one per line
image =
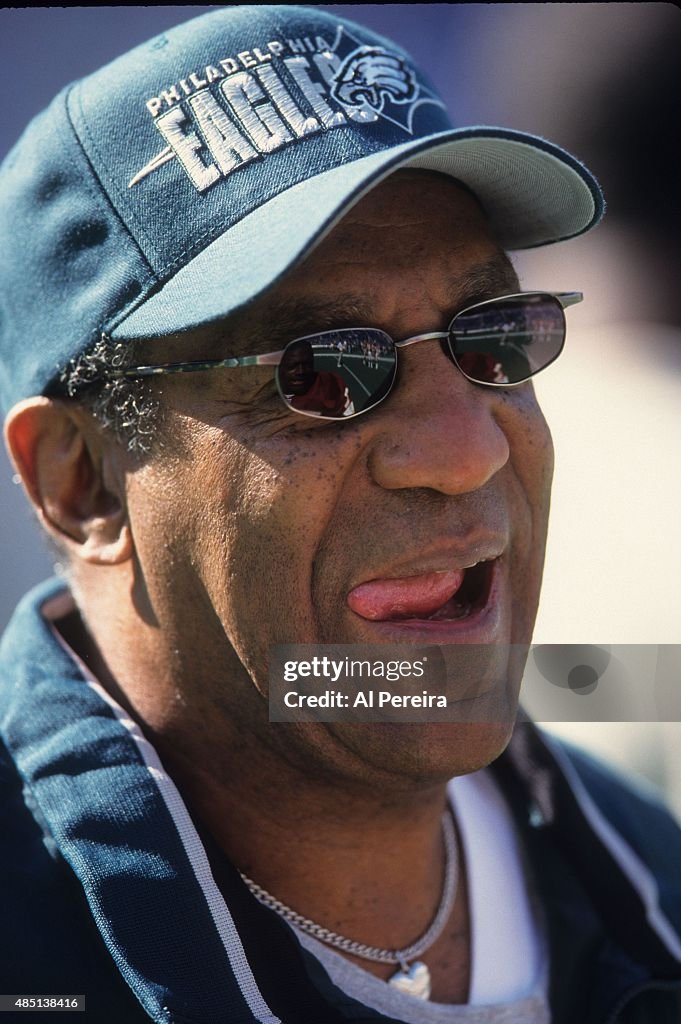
x=482 y=625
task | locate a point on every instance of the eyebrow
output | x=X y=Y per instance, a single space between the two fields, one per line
x=283 y=320
x=488 y=280
x=292 y=318
x=485 y=280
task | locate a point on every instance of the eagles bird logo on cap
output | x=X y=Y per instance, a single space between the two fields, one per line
x=371 y=75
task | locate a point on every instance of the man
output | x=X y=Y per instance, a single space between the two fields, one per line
x=306 y=388
x=255 y=177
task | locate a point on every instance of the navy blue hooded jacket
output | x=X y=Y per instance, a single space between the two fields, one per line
x=108 y=890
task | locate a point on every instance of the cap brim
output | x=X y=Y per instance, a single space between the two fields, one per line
x=533 y=193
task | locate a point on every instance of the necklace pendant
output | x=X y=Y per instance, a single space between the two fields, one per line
x=415 y=981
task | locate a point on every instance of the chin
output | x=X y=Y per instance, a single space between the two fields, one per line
x=410 y=756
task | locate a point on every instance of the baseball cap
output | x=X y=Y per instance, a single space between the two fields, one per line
x=175 y=185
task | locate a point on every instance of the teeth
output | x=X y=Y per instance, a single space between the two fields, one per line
x=463 y=567
x=459 y=611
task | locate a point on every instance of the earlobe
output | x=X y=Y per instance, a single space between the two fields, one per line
x=64 y=463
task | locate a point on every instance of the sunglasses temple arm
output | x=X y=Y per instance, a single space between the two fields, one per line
x=135 y=372
x=569 y=298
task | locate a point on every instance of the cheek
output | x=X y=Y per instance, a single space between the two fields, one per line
x=246 y=523
x=531 y=473
x=278 y=507
x=531 y=451
x=538 y=475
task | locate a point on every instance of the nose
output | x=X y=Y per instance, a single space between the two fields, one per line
x=438 y=429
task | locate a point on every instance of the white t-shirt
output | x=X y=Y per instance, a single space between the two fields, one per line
x=509 y=968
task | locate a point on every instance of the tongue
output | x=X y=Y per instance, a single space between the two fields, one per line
x=411 y=597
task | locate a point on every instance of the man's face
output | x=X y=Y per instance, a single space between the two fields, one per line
x=296 y=370
x=254 y=526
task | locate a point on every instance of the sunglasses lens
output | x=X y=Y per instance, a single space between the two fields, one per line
x=508 y=340
x=338 y=373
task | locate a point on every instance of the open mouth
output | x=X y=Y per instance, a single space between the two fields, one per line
x=447 y=596
x=470 y=597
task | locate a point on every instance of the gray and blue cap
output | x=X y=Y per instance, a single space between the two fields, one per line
x=175 y=185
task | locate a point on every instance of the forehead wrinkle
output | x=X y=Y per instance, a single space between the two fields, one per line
x=295 y=316
x=272 y=323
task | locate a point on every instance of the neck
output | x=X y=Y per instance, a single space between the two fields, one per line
x=281 y=820
x=370 y=869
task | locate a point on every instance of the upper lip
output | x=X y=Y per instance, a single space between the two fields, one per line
x=462 y=553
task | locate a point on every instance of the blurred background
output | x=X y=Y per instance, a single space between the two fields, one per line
x=602 y=80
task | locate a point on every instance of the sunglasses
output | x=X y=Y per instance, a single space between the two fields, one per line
x=344 y=373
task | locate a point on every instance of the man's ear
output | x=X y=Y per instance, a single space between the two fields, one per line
x=66 y=467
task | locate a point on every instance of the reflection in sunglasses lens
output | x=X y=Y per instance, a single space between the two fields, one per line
x=341 y=373
x=508 y=341
x=338 y=373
